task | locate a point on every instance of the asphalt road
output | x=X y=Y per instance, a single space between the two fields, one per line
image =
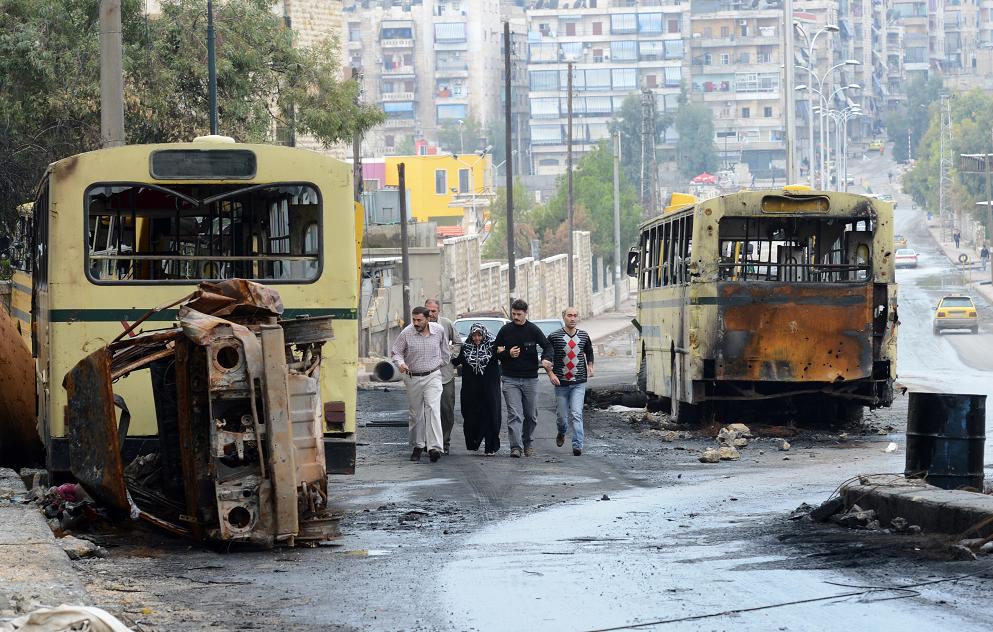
x=635 y=534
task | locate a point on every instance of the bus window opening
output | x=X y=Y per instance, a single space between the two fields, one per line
x=795 y=250
x=184 y=233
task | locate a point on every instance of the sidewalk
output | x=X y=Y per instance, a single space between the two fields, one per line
x=35 y=570
x=977 y=275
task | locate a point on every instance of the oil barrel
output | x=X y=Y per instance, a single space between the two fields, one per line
x=945 y=439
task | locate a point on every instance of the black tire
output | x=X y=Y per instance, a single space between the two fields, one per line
x=975 y=329
x=935 y=331
x=643 y=375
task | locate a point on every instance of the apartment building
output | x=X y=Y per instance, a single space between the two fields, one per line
x=617 y=48
x=427 y=63
x=736 y=59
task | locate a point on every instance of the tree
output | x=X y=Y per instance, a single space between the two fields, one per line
x=458 y=139
x=406 y=146
x=695 y=148
x=914 y=117
x=972 y=119
x=593 y=190
x=49 y=67
x=628 y=121
x=496 y=244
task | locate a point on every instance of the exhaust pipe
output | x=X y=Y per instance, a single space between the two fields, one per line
x=386 y=371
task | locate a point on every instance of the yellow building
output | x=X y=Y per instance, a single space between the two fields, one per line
x=446 y=189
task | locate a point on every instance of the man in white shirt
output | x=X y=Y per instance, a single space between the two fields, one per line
x=447 y=371
x=420 y=351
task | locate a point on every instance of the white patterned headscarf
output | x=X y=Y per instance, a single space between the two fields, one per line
x=478 y=356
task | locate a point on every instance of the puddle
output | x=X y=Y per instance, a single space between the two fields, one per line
x=366 y=552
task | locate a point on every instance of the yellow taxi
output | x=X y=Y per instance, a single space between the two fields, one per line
x=899 y=241
x=876 y=145
x=956 y=312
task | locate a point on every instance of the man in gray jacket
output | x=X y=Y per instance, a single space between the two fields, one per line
x=447 y=371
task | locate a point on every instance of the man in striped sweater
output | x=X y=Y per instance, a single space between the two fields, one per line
x=572 y=365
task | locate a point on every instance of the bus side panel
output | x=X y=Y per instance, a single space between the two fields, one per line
x=794 y=333
x=20 y=305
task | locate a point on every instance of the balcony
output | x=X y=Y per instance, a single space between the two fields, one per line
x=396 y=43
x=395 y=123
x=456 y=69
x=733 y=42
x=397 y=96
x=398 y=71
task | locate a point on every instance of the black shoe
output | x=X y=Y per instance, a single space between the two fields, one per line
x=446 y=449
x=416 y=454
x=560 y=439
x=434 y=455
x=577 y=451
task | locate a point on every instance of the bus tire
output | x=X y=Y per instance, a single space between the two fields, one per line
x=643 y=375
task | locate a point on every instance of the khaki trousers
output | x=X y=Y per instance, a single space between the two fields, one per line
x=424 y=400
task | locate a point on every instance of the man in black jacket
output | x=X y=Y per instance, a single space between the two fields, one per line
x=517 y=347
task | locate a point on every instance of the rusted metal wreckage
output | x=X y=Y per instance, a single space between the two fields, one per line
x=239 y=416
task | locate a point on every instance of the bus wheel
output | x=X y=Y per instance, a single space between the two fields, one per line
x=643 y=375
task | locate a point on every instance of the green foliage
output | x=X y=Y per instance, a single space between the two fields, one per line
x=915 y=116
x=972 y=120
x=406 y=146
x=628 y=122
x=496 y=244
x=593 y=207
x=695 y=150
x=471 y=139
x=50 y=73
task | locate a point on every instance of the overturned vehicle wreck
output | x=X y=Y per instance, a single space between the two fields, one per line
x=239 y=416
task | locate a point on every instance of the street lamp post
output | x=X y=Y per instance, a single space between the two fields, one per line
x=823 y=111
x=830 y=28
x=461 y=143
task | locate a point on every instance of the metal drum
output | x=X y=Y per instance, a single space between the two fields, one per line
x=945 y=439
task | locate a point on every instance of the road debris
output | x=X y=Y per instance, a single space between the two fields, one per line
x=78 y=548
x=710 y=455
x=857 y=518
x=784 y=445
x=727 y=453
x=239 y=414
x=891 y=447
x=66 y=617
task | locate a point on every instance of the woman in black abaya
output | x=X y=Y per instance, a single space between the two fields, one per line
x=480 y=399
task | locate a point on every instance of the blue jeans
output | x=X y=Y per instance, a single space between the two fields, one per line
x=520 y=394
x=569 y=406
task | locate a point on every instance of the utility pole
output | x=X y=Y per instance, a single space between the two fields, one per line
x=789 y=94
x=211 y=68
x=572 y=294
x=649 y=165
x=357 y=187
x=511 y=255
x=111 y=75
x=617 y=220
x=945 y=162
x=404 y=247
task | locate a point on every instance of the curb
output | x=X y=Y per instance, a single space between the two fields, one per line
x=35 y=570
x=935 y=510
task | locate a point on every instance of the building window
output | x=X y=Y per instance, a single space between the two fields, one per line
x=546 y=134
x=764 y=58
x=725 y=59
x=354 y=33
x=673 y=26
x=651 y=81
x=452 y=111
x=674 y=49
x=650 y=22
x=624 y=51
x=624 y=78
x=570 y=28
x=545 y=108
x=449 y=32
x=673 y=76
x=390 y=140
x=767 y=111
x=708 y=59
x=598 y=28
x=624 y=23
x=544 y=80
x=744 y=58
x=746 y=113
x=440 y=181
x=463 y=180
x=725 y=31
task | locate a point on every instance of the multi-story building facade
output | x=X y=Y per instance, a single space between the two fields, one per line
x=736 y=59
x=616 y=49
x=415 y=59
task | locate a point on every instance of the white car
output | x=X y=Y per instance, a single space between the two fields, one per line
x=905 y=258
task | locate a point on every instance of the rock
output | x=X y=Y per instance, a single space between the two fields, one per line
x=899 y=524
x=843 y=436
x=959 y=552
x=77 y=548
x=890 y=448
x=785 y=445
x=801 y=512
x=34 y=477
x=873 y=525
x=987 y=548
x=972 y=543
x=881 y=432
x=605 y=497
x=726 y=436
x=740 y=442
x=914 y=529
x=709 y=455
x=827 y=509
x=669 y=436
x=728 y=454
x=741 y=429
x=857 y=518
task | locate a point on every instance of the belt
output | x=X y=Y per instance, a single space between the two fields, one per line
x=412 y=374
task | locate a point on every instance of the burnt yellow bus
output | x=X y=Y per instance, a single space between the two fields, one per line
x=782 y=296
x=118 y=232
